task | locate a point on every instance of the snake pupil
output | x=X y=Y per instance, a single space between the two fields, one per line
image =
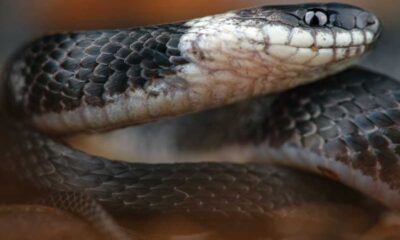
x=315 y=18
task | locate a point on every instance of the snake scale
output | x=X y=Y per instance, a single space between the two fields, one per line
x=345 y=127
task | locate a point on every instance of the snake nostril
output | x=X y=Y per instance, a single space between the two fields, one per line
x=366 y=20
x=371 y=20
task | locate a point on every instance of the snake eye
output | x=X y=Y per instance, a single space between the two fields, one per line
x=316 y=18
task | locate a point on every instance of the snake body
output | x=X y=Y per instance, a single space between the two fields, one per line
x=344 y=127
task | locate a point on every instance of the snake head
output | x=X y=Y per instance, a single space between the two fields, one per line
x=328 y=16
x=279 y=47
x=342 y=31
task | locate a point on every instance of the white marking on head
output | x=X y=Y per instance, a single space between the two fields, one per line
x=369 y=37
x=343 y=39
x=324 y=56
x=324 y=39
x=277 y=34
x=301 y=38
x=358 y=37
x=282 y=51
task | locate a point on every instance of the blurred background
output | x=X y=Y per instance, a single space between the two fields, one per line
x=21 y=20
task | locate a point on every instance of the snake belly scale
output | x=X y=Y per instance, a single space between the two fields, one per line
x=91 y=81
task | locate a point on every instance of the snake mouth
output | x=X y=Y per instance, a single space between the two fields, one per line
x=316 y=47
x=315 y=56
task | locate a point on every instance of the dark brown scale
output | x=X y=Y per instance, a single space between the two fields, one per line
x=76 y=53
x=101 y=42
x=93 y=50
x=356 y=142
x=356 y=90
x=149 y=74
x=287 y=123
x=70 y=64
x=146 y=53
x=331 y=133
x=380 y=119
x=74 y=87
x=334 y=148
x=52 y=99
x=133 y=58
x=119 y=65
x=88 y=62
x=136 y=45
x=364 y=123
x=336 y=112
x=103 y=70
x=63 y=76
x=134 y=71
x=148 y=64
x=175 y=60
x=129 y=40
x=306 y=128
x=93 y=89
x=378 y=141
x=37 y=90
x=323 y=122
x=347 y=126
x=119 y=37
x=84 y=43
x=117 y=83
x=55 y=87
x=84 y=73
x=393 y=134
x=49 y=47
x=367 y=162
x=98 y=79
x=43 y=79
x=390 y=167
x=173 y=43
x=71 y=93
x=161 y=60
x=51 y=67
x=67 y=44
x=174 y=52
x=105 y=58
x=143 y=38
x=160 y=47
x=387 y=102
x=122 y=53
x=110 y=48
x=393 y=114
x=351 y=108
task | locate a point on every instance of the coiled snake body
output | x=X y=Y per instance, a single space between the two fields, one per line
x=345 y=126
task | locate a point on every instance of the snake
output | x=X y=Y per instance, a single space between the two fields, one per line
x=253 y=71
